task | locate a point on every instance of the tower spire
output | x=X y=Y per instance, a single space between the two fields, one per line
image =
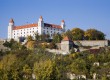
x=11 y=20
x=63 y=21
x=63 y=24
x=41 y=18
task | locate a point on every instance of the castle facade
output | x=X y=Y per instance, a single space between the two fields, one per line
x=16 y=32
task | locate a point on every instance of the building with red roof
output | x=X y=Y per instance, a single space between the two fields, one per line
x=39 y=27
x=66 y=45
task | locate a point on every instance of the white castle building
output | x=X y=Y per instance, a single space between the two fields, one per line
x=39 y=27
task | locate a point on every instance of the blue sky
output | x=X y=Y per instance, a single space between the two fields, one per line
x=84 y=14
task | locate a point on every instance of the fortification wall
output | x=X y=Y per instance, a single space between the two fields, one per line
x=100 y=43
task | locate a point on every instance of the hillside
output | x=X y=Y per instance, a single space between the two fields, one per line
x=36 y=63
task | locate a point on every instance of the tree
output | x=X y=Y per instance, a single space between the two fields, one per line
x=77 y=33
x=13 y=45
x=57 y=38
x=47 y=36
x=31 y=44
x=9 y=43
x=29 y=38
x=6 y=66
x=52 y=45
x=37 y=37
x=93 y=34
x=46 y=70
x=27 y=71
x=78 y=66
x=44 y=37
x=68 y=33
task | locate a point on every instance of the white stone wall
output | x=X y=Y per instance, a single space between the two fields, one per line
x=51 y=31
x=65 y=46
x=31 y=31
x=24 y=32
x=100 y=43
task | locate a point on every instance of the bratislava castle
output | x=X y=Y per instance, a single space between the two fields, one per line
x=39 y=27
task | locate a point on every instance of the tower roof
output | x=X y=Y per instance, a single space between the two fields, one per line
x=66 y=39
x=11 y=20
x=62 y=21
x=41 y=17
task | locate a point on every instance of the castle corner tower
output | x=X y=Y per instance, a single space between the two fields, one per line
x=63 y=25
x=40 y=24
x=10 y=28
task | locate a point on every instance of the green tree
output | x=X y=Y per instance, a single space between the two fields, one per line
x=93 y=34
x=57 y=38
x=37 y=37
x=52 y=45
x=78 y=66
x=9 y=43
x=5 y=66
x=68 y=33
x=31 y=44
x=27 y=72
x=46 y=70
x=77 y=33
x=14 y=45
x=29 y=38
x=47 y=37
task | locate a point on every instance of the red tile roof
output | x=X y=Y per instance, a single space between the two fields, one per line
x=11 y=20
x=25 y=26
x=52 y=25
x=66 y=39
x=36 y=25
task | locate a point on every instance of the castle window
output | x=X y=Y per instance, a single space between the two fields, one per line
x=47 y=28
x=51 y=31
